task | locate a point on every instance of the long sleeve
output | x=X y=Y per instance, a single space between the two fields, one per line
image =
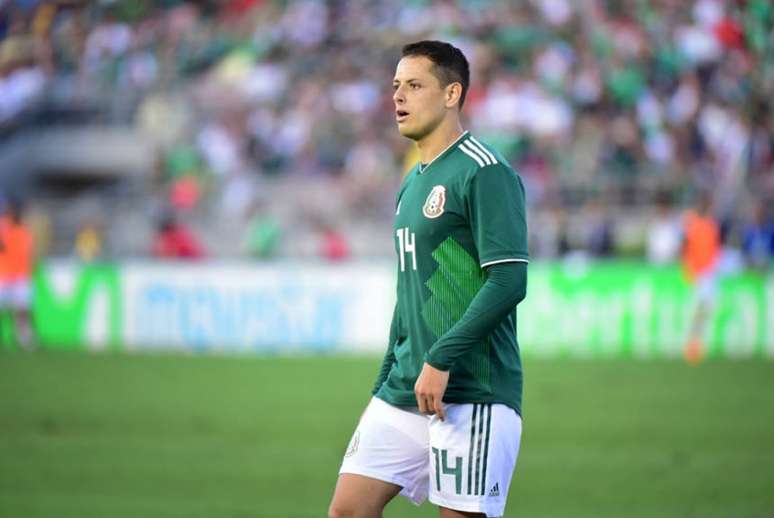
x=389 y=355
x=504 y=288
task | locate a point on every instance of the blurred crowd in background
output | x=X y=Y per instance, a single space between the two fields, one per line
x=272 y=134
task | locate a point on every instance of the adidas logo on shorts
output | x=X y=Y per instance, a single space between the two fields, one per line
x=495 y=491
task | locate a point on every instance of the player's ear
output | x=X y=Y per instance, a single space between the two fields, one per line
x=453 y=93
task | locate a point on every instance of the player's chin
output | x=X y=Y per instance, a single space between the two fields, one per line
x=408 y=131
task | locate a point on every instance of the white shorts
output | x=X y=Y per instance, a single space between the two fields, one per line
x=15 y=294
x=707 y=286
x=464 y=463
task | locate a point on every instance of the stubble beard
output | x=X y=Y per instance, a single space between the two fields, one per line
x=417 y=134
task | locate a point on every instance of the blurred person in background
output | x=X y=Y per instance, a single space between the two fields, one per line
x=16 y=263
x=664 y=233
x=601 y=237
x=24 y=65
x=700 y=256
x=334 y=245
x=88 y=241
x=264 y=232
x=174 y=240
x=758 y=238
x=39 y=223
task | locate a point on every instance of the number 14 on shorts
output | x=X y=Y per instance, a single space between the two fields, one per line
x=442 y=467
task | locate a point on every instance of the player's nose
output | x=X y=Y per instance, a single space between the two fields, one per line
x=398 y=97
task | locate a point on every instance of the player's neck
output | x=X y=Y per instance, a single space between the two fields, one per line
x=439 y=140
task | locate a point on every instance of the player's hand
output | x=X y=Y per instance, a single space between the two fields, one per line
x=429 y=389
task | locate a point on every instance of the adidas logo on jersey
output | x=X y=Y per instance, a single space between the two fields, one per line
x=495 y=491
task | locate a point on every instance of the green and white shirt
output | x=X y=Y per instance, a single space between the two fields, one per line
x=457 y=215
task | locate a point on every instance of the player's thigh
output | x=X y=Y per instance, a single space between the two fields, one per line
x=472 y=457
x=358 y=496
x=706 y=288
x=21 y=295
x=390 y=444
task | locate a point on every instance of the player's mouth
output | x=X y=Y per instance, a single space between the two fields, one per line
x=401 y=115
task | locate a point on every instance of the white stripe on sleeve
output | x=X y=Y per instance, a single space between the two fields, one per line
x=471 y=155
x=485 y=150
x=470 y=147
x=514 y=260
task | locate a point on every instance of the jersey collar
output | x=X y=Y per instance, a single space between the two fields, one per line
x=439 y=155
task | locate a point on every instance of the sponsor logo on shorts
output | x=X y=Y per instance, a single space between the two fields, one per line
x=353 y=444
x=495 y=491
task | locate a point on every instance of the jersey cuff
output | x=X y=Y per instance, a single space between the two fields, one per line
x=435 y=364
x=510 y=260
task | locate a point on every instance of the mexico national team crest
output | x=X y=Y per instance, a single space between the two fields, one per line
x=435 y=202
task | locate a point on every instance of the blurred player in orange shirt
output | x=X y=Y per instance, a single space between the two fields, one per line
x=700 y=257
x=16 y=258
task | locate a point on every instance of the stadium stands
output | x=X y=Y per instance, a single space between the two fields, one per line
x=601 y=106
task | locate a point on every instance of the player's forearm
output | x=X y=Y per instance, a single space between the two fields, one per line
x=505 y=287
x=389 y=355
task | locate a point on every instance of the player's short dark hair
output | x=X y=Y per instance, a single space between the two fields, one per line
x=449 y=63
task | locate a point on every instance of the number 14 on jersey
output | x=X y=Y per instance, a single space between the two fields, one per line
x=406 y=245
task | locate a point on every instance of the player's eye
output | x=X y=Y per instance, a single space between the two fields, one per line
x=414 y=86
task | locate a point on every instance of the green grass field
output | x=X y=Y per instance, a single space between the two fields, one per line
x=178 y=436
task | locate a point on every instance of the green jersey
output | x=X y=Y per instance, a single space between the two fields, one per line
x=455 y=216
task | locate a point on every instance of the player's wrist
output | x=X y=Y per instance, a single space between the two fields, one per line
x=436 y=363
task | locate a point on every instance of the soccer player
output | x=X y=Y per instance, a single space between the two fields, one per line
x=444 y=420
x=16 y=258
x=701 y=254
